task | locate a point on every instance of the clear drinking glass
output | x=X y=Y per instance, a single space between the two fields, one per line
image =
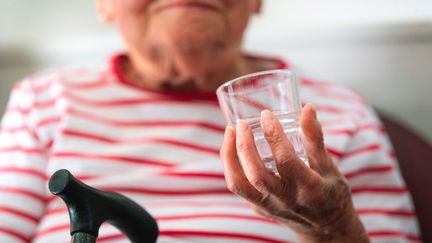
x=276 y=90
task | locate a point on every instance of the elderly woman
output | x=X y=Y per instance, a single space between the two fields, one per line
x=149 y=126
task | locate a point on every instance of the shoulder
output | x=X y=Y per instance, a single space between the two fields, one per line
x=46 y=80
x=43 y=90
x=346 y=118
x=333 y=99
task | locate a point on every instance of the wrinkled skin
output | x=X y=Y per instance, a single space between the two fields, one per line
x=188 y=47
x=314 y=201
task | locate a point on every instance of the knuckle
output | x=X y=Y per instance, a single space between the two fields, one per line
x=261 y=211
x=258 y=182
x=341 y=184
x=234 y=187
x=284 y=160
x=274 y=137
x=320 y=145
x=243 y=146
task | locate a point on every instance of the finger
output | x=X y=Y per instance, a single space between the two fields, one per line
x=319 y=159
x=290 y=167
x=234 y=176
x=258 y=175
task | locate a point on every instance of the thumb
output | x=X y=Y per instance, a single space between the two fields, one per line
x=314 y=138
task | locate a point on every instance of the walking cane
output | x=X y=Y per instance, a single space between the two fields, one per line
x=89 y=207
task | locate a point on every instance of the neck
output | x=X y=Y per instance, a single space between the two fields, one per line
x=186 y=75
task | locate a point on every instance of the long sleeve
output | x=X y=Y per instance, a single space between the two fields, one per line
x=22 y=166
x=380 y=196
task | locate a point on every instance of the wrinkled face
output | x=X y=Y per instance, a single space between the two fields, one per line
x=176 y=32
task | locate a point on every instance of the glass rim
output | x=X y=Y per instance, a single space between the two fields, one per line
x=250 y=75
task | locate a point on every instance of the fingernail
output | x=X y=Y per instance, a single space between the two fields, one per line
x=312 y=106
x=266 y=117
x=229 y=129
x=242 y=125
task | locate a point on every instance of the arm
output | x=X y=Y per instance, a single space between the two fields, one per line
x=314 y=201
x=22 y=166
x=380 y=196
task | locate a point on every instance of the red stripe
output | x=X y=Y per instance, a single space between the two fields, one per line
x=370 y=148
x=30 y=172
x=36 y=105
x=103 y=103
x=339 y=132
x=171 y=217
x=194 y=174
x=49 y=144
x=344 y=97
x=334 y=152
x=23 y=192
x=389 y=233
x=376 y=127
x=401 y=213
x=45 y=104
x=370 y=170
x=101 y=80
x=19 y=213
x=160 y=192
x=206 y=234
x=380 y=190
x=337 y=123
x=15 y=234
x=213 y=203
x=258 y=106
x=127 y=102
x=321 y=84
x=357 y=130
x=141 y=141
x=48 y=121
x=17 y=109
x=14 y=129
x=341 y=155
x=22 y=128
x=62 y=209
x=166 y=192
x=214 y=151
x=331 y=109
x=51 y=230
x=88 y=85
x=214 y=215
x=54 y=211
x=21 y=149
x=152 y=123
x=124 y=159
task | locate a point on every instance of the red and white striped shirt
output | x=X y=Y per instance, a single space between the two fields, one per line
x=162 y=150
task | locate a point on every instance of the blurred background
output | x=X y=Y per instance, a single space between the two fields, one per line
x=381 y=49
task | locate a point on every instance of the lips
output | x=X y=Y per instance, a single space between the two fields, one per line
x=204 y=5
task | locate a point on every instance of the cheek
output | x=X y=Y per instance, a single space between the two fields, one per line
x=239 y=16
x=136 y=7
x=131 y=16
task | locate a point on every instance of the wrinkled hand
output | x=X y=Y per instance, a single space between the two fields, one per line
x=314 y=201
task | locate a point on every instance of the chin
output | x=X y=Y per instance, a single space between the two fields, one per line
x=189 y=30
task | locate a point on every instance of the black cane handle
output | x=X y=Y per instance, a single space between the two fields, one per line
x=89 y=208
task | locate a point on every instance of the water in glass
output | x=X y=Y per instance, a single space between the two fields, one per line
x=290 y=124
